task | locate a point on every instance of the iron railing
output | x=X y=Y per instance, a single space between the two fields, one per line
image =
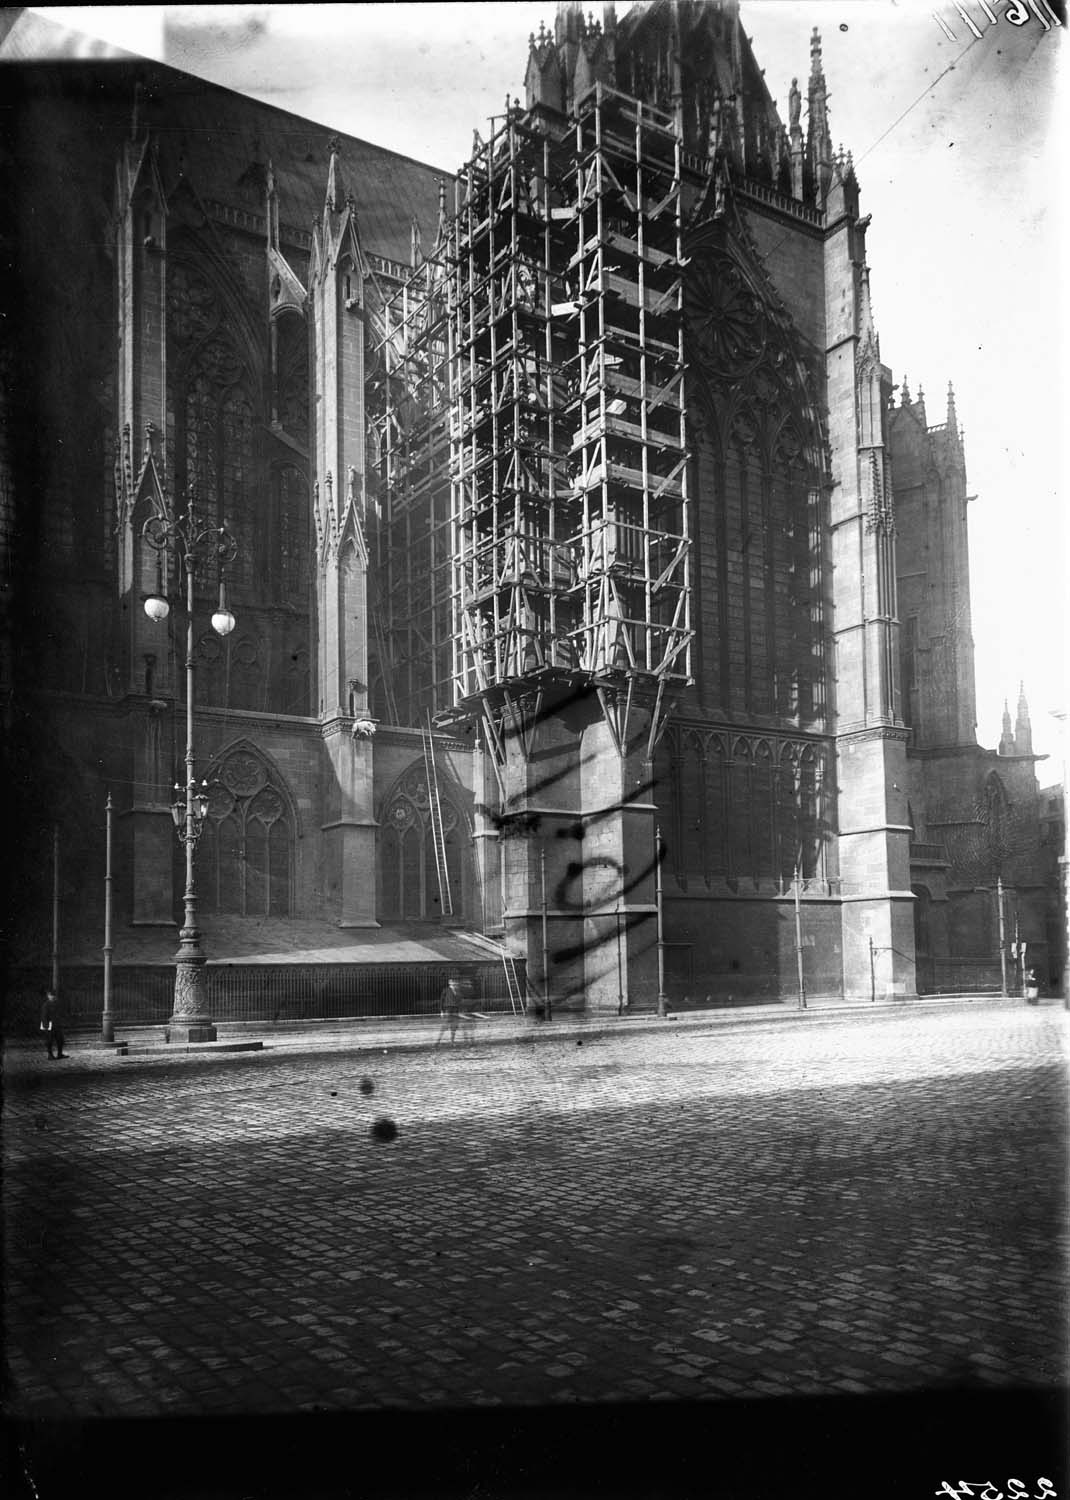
x=143 y=995
x=958 y=976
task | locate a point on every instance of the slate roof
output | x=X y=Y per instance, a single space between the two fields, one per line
x=288 y=940
x=223 y=141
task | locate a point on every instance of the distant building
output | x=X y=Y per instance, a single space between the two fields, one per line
x=573 y=512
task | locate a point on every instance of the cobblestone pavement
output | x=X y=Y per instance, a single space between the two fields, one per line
x=868 y=1204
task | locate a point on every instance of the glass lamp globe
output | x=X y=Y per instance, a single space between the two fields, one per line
x=223 y=622
x=157 y=607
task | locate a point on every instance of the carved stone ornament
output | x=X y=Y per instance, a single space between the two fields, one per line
x=220 y=801
x=745 y=427
x=402 y=813
x=191 y=305
x=789 y=445
x=267 y=805
x=191 y=991
x=415 y=788
x=363 y=729
x=243 y=774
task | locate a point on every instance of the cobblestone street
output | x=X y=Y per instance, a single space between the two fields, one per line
x=807 y=1207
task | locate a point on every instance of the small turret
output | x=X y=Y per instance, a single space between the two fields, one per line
x=543 y=83
x=952 y=416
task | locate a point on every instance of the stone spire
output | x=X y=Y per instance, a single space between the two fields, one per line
x=868 y=337
x=818 y=144
x=1006 y=739
x=952 y=416
x=335 y=198
x=1023 y=729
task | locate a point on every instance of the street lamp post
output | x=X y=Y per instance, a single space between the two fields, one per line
x=659 y=853
x=1002 y=937
x=800 y=974
x=107 y=1025
x=194 y=547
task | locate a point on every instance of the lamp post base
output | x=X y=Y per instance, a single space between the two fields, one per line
x=184 y=1031
x=190 y=1020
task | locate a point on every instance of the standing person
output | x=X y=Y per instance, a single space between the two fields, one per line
x=449 y=1005
x=50 y=1025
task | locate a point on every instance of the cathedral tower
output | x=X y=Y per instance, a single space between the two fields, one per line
x=937 y=667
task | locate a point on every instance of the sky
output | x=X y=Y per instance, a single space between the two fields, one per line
x=955 y=147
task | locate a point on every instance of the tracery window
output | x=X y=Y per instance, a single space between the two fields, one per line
x=758 y=558
x=289 y=541
x=245 y=849
x=292 y=376
x=410 y=887
x=214 y=415
x=743 y=810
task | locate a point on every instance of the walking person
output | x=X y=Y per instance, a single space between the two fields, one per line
x=449 y=1005
x=50 y=1025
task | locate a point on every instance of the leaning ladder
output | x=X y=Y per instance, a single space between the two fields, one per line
x=516 y=988
x=438 y=834
x=512 y=983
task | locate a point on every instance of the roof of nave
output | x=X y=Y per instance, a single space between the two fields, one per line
x=223 y=142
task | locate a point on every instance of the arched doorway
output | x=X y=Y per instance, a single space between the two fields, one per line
x=410 y=883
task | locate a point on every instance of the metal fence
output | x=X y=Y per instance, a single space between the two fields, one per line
x=959 y=976
x=143 y=995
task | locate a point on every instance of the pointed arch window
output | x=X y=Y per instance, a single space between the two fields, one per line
x=245 y=852
x=763 y=791
x=214 y=412
x=810 y=833
x=410 y=886
x=290 y=540
x=291 y=375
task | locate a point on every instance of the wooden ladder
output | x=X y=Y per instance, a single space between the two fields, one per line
x=438 y=834
x=512 y=983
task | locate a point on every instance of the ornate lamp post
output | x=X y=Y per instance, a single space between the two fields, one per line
x=195 y=547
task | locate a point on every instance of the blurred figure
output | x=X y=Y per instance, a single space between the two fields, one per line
x=50 y=1025
x=449 y=1005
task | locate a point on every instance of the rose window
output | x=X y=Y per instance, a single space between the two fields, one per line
x=727 y=320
